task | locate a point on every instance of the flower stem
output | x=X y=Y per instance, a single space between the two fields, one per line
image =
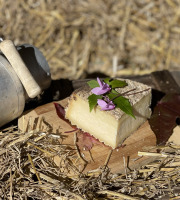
x=118 y=95
x=137 y=92
x=126 y=93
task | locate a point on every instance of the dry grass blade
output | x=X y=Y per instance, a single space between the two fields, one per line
x=28 y=171
x=84 y=36
x=123 y=196
x=42 y=150
x=37 y=175
x=78 y=151
x=108 y=158
x=25 y=137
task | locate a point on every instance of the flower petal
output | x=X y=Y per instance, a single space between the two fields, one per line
x=103 y=91
x=105 y=85
x=99 y=91
x=101 y=103
x=96 y=90
x=107 y=89
x=111 y=106
x=108 y=107
x=100 y=82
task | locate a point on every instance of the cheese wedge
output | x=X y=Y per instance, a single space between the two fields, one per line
x=114 y=126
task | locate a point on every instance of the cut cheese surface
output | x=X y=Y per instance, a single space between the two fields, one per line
x=114 y=126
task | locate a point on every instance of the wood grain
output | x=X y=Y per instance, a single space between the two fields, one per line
x=122 y=158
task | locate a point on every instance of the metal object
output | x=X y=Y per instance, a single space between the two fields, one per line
x=12 y=92
x=36 y=64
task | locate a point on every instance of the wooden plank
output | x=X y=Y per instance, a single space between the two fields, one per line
x=127 y=155
x=165 y=82
x=121 y=158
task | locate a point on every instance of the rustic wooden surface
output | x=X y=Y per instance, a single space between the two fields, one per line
x=125 y=157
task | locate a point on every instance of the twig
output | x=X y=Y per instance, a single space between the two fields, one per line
x=22 y=138
x=78 y=151
x=137 y=92
x=116 y=194
x=158 y=168
x=108 y=158
x=11 y=184
x=29 y=157
x=124 y=93
x=43 y=176
x=125 y=168
x=44 y=151
x=157 y=154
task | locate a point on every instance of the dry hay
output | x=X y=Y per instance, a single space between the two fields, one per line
x=84 y=36
x=28 y=170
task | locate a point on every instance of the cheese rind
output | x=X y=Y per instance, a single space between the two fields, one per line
x=114 y=126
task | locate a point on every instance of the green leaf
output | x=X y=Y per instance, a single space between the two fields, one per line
x=114 y=91
x=93 y=84
x=92 y=99
x=117 y=83
x=107 y=80
x=112 y=95
x=124 y=104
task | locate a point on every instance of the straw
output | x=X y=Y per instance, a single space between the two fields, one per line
x=83 y=37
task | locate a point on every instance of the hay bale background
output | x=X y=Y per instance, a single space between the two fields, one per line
x=113 y=37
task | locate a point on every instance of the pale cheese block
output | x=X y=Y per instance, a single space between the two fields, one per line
x=114 y=126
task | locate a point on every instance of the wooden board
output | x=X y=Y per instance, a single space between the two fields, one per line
x=119 y=159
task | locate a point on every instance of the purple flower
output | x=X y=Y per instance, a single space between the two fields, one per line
x=106 y=104
x=104 y=87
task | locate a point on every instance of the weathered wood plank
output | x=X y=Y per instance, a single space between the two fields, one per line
x=139 y=140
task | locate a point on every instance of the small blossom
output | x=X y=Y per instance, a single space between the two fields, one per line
x=104 y=88
x=106 y=104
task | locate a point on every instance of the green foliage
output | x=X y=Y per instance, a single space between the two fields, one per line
x=114 y=91
x=107 y=80
x=115 y=83
x=92 y=99
x=93 y=84
x=112 y=95
x=124 y=104
x=120 y=101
